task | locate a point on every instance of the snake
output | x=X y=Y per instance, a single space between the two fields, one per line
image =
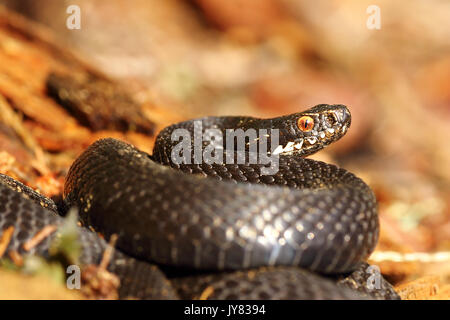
x=194 y=229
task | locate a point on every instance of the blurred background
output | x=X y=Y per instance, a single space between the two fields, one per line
x=271 y=57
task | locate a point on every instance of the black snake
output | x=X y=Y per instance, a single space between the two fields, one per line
x=225 y=230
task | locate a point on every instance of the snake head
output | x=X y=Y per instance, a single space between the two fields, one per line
x=307 y=132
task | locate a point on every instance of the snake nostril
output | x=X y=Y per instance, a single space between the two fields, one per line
x=346 y=116
x=342 y=115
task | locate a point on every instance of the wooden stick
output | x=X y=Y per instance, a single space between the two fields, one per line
x=16 y=258
x=108 y=252
x=41 y=235
x=5 y=239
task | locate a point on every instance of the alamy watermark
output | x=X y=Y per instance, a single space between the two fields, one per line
x=374 y=19
x=241 y=147
x=374 y=280
x=74 y=277
x=73 y=21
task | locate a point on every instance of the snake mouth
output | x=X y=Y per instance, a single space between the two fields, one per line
x=297 y=146
x=316 y=141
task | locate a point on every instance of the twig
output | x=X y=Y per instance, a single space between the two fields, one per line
x=14 y=121
x=108 y=252
x=5 y=239
x=16 y=258
x=206 y=293
x=41 y=235
x=424 y=257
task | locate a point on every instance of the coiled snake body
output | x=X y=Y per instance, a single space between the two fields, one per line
x=241 y=233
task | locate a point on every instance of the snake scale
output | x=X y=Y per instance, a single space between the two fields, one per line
x=218 y=230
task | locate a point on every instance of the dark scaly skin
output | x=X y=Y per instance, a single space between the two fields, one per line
x=27 y=211
x=161 y=214
x=102 y=182
x=281 y=283
x=20 y=207
x=336 y=293
x=28 y=193
x=276 y=283
x=309 y=214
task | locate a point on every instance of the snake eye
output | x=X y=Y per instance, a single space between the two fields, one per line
x=305 y=123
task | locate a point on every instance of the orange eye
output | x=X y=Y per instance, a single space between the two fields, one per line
x=305 y=123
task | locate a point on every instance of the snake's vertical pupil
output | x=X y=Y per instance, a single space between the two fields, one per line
x=305 y=123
